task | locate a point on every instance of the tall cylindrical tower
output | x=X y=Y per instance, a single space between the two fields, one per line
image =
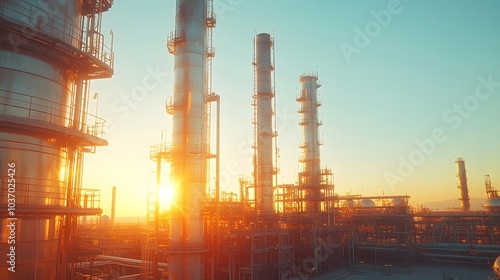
x=190 y=147
x=462 y=184
x=263 y=100
x=310 y=175
x=49 y=51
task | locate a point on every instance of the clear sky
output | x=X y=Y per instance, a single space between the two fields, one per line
x=407 y=87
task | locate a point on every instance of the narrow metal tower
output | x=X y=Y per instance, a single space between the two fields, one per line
x=462 y=184
x=263 y=96
x=310 y=174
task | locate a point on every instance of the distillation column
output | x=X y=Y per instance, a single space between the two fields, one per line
x=462 y=184
x=310 y=175
x=49 y=50
x=188 y=43
x=264 y=122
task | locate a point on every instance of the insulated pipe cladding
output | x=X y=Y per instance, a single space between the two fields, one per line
x=265 y=95
x=310 y=175
x=188 y=164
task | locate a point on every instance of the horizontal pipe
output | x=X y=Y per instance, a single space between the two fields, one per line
x=127 y=261
x=456 y=257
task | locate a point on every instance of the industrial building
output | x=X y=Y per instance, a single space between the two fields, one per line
x=268 y=231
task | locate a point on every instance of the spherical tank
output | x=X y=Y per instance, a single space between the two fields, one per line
x=367 y=203
x=492 y=204
x=398 y=202
x=350 y=203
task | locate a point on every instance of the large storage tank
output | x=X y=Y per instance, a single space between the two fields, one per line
x=48 y=52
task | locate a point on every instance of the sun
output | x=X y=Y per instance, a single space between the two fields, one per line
x=166 y=196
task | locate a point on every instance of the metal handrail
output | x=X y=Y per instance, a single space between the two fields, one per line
x=53 y=25
x=308 y=74
x=31 y=191
x=174 y=38
x=32 y=107
x=93 y=198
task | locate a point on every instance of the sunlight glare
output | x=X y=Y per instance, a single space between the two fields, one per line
x=166 y=196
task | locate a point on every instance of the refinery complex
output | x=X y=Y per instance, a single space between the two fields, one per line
x=266 y=231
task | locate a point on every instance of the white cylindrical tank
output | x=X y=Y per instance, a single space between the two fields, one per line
x=189 y=147
x=41 y=71
x=28 y=80
x=264 y=176
x=310 y=159
x=60 y=20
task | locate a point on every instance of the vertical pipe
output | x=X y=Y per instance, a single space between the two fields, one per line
x=276 y=150
x=72 y=151
x=78 y=101
x=310 y=176
x=79 y=177
x=188 y=164
x=85 y=97
x=215 y=227
x=157 y=216
x=217 y=181
x=85 y=203
x=73 y=177
x=113 y=203
x=264 y=187
x=462 y=184
x=35 y=248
